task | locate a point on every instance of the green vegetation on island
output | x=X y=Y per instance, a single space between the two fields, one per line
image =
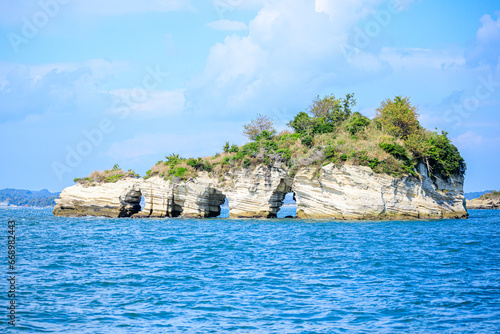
x=493 y=195
x=328 y=131
x=107 y=176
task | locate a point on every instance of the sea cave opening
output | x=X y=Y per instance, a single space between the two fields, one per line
x=142 y=203
x=289 y=207
x=224 y=209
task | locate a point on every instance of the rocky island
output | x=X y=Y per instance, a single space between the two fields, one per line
x=485 y=202
x=337 y=164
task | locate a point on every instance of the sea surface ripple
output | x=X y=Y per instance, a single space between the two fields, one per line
x=99 y=275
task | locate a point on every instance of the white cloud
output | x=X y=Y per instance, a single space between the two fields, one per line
x=420 y=58
x=140 y=145
x=224 y=7
x=147 y=103
x=59 y=87
x=227 y=25
x=3 y=83
x=490 y=28
x=99 y=67
x=346 y=12
x=13 y=11
x=473 y=140
x=486 y=50
x=154 y=146
x=470 y=138
x=291 y=53
x=121 y=7
x=242 y=70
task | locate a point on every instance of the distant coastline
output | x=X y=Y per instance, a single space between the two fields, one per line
x=27 y=198
x=475 y=194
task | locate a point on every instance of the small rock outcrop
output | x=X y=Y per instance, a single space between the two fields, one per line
x=331 y=192
x=120 y=199
x=485 y=202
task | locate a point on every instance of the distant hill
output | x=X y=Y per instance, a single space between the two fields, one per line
x=21 y=197
x=473 y=195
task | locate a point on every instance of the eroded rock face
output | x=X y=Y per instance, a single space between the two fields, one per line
x=252 y=193
x=343 y=192
x=356 y=192
x=120 y=199
x=257 y=193
x=157 y=195
x=484 y=203
x=197 y=198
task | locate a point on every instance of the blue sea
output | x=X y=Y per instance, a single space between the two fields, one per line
x=99 y=275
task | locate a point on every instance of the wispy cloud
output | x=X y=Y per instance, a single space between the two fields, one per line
x=486 y=49
x=148 y=104
x=59 y=87
x=157 y=145
x=227 y=25
x=121 y=7
x=291 y=53
x=12 y=12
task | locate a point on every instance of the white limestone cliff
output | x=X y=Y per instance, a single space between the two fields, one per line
x=333 y=192
x=198 y=198
x=257 y=193
x=157 y=195
x=485 y=202
x=356 y=192
x=120 y=199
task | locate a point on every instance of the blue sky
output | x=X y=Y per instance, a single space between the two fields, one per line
x=88 y=84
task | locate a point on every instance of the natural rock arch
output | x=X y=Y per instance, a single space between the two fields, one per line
x=276 y=200
x=336 y=192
